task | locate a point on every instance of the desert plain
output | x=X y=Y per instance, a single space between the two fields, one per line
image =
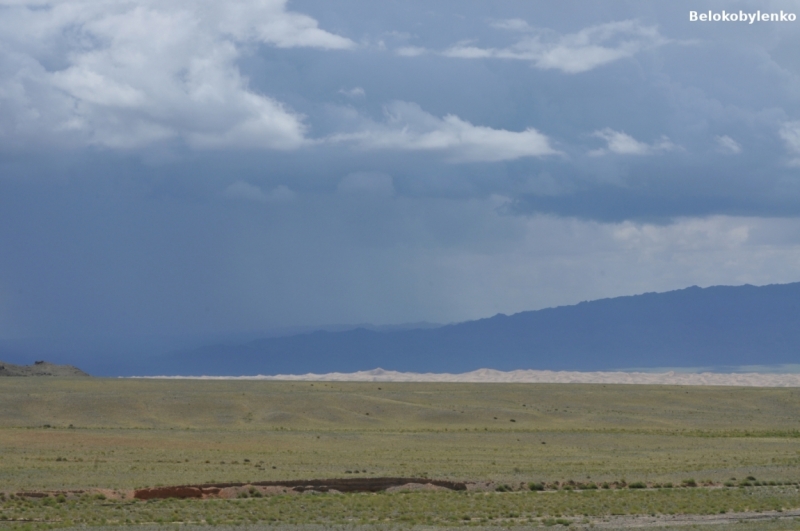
x=75 y=451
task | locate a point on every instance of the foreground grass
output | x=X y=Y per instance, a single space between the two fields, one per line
x=770 y=525
x=47 y=459
x=407 y=509
x=111 y=433
x=124 y=434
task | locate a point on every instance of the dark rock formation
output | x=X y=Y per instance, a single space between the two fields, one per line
x=40 y=368
x=299 y=485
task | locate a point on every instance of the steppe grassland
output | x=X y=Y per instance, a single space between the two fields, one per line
x=773 y=525
x=133 y=433
x=523 y=508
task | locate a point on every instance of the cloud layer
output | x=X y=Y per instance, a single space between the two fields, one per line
x=573 y=53
x=133 y=73
x=192 y=166
x=624 y=144
x=408 y=128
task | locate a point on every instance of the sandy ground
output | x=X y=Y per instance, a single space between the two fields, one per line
x=751 y=379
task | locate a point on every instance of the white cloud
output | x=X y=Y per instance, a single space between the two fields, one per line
x=790 y=133
x=465 y=50
x=409 y=128
x=243 y=190
x=411 y=51
x=124 y=74
x=356 y=92
x=685 y=235
x=573 y=53
x=726 y=144
x=624 y=144
x=268 y=21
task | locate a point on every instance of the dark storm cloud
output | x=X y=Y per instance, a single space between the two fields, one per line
x=192 y=166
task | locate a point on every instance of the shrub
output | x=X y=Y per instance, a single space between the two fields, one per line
x=535 y=486
x=637 y=485
x=503 y=488
x=689 y=483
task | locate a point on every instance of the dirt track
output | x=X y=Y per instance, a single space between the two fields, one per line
x=637 y=522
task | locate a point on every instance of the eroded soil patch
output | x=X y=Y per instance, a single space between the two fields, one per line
x=225 y=490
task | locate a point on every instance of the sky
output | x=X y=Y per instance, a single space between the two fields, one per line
x=202 y=167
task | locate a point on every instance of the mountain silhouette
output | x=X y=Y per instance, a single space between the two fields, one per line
x=720 y=326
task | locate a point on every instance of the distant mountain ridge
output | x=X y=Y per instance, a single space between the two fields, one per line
x=711 y=327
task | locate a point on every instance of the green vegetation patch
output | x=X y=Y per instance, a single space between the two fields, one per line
x=416 y=508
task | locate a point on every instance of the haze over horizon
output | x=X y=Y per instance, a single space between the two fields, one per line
x=196 y=169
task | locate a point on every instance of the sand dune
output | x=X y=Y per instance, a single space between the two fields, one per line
x=751 y=379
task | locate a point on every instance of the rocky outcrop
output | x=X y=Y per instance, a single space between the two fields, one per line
x=40 y=368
